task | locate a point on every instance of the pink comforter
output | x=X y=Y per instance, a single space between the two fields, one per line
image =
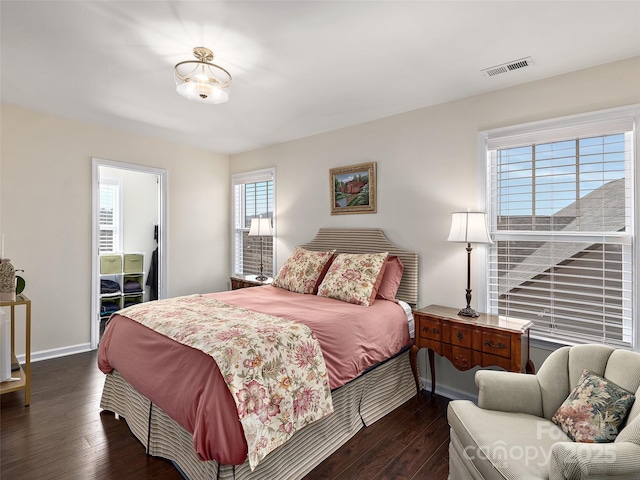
x=187 y=384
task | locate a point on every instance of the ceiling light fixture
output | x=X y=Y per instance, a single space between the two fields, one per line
x=201 y=80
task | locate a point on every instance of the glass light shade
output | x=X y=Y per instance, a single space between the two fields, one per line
x=203 y=92
x=469 y=227
x=260 y=227
x=201 y=80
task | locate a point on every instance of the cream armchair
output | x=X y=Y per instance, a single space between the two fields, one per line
x=510 y=435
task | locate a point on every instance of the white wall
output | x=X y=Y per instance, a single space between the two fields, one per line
x=427 y=167
x=45 y=213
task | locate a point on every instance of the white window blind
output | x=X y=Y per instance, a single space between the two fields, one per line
x=253 y=197
x=110 y=215
x=561 y=214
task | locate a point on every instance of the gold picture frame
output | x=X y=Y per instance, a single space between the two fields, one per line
x=353 y=189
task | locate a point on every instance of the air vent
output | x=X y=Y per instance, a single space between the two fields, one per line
x=507 y=67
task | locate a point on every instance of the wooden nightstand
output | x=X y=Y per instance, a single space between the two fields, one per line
x=245 y=281
x=487 y=340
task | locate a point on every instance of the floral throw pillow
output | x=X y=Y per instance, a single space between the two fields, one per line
x=594 y=410
x=353 y=278
x=301 y=271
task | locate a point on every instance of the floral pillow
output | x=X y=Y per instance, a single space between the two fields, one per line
x=594 y=410
x=354 y=278
x=302 y=270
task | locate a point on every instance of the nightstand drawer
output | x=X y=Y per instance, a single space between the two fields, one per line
x=246 y=281
x=464 y=358
x=496 y=343
x=430 y=329
x=488 y=359
x=461 y=336
x=432 y=344
x=237 y=283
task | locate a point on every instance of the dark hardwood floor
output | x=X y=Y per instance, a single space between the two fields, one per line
x=64 y=435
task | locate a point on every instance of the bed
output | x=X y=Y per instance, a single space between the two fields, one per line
x=363 y=387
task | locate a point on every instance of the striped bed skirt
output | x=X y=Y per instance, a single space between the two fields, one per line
x=357 y=404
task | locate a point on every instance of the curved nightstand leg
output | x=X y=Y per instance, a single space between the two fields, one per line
x=414 y=366
x=432 y=366
x=530 y=368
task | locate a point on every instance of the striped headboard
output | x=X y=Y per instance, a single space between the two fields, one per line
x=370 y=240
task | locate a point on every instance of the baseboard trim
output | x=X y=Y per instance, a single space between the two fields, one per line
x=448 y=392
x=56 y=352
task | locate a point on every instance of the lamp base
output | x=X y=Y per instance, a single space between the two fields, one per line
x=261 y=278
x=468 y=312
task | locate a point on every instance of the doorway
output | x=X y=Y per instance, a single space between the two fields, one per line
x=129 y=219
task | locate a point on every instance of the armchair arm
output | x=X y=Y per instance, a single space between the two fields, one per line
x=596 y=461
x=509 y=392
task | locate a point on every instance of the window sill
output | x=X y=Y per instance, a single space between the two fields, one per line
x=549 y=345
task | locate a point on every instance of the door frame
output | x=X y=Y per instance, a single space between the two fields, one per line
x=95 y=227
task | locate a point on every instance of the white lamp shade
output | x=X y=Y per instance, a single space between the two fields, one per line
x=469 y=227
x=260 y=227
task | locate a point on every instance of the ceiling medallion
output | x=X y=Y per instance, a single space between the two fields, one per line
x=201 y=80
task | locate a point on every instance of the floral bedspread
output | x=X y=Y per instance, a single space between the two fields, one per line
x=273 y=367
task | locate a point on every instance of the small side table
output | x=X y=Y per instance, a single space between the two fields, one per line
x=487 y=340
x=24 y=375
x=245 y=281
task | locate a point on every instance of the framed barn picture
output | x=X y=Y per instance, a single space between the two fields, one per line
x=353 y=189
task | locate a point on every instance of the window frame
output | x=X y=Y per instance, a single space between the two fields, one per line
x=116 y=184
x=255 y=176
x=549 y=131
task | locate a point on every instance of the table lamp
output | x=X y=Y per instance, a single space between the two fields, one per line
x=261 y=227
x=469 y=227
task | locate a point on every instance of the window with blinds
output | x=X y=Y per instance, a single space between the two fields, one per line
x=561 y=214
x=110 y=217
x=253 y=197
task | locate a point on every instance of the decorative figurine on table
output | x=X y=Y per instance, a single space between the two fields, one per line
x=7 y=281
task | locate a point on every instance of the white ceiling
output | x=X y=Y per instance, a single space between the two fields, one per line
x=299 y=67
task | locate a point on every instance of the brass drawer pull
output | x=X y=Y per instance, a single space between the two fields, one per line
x=460 y=335
x=500 y=345
x=427 y=330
